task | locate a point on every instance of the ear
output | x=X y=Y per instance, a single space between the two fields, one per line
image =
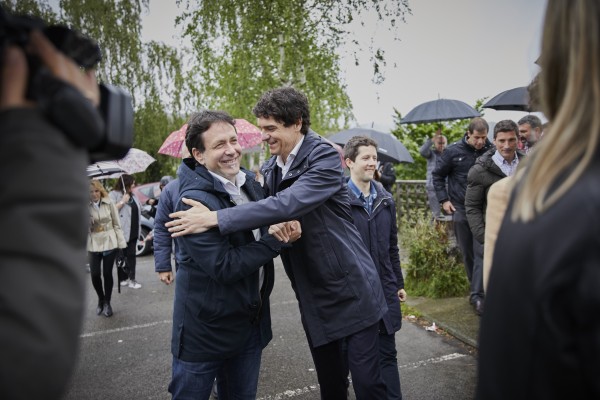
x=348 y=162
x=198 y=156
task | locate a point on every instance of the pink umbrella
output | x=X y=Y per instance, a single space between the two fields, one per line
x=174 y=143
x=248 y=134
x=135 y=160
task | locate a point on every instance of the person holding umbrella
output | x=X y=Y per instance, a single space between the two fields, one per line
x=130 y=216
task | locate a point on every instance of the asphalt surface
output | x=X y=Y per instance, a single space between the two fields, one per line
x=128 y=355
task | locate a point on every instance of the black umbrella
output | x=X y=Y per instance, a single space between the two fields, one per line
x=389 y=147
x=516 y=99
x=439 y=110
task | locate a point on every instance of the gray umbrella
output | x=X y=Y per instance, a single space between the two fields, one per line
x=389 y=147
x=103 y=169
x=516 y=99
x=439 y=110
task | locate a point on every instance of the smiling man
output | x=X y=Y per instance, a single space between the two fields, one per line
x=221 y=317
x=489 y=168
x=332 y=274
x=374 y=214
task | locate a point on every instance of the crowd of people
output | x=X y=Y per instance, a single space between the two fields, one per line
x=336 y=236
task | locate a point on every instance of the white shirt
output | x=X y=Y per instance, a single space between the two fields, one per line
x=239 y=197
x=285 y=167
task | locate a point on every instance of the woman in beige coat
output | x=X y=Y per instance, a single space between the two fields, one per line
x=104 y=239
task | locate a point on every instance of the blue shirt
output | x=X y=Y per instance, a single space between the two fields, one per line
x=366 y=201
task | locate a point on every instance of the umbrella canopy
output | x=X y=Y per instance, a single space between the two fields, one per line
x=249 y=137
x=248 y=134
x=516 y=99
x=389 y=147
x=135 y=160
x=439 y=110
x=174 y=143
x=103 y=169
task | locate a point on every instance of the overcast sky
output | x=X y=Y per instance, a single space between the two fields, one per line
x=459 y=49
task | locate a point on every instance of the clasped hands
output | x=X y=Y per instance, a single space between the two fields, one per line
x=199 y=219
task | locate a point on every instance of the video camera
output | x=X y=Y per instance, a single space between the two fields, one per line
x=106 y=132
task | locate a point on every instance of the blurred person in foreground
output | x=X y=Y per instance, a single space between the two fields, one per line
x=374 y=214
x=45 y=221
x=540 y=334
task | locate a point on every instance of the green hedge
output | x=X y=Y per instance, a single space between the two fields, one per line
x=434 y=268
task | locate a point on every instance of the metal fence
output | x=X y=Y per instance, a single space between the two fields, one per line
x=411 y=200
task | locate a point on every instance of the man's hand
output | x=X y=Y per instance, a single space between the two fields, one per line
x=197 y=219
x=15 y=72
x=448 y=207
x=166 y=277
x=402 y=295
x=287 y=232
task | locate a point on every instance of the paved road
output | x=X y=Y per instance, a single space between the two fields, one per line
x=128 y=356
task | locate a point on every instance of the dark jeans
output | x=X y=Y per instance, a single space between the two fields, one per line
x=358 y=354
x=389 y=366
x=237 y=377
x=472 y=252
x=101 y=265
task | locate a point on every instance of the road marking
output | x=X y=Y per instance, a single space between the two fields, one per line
x=313 y=388
x=125 y=328
x=434 y=360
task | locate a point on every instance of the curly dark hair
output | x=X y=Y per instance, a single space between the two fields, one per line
x=199 y=123
x=285 y=105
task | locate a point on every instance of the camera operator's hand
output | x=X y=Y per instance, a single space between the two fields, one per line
x=14 y=72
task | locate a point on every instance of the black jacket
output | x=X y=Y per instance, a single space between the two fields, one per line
x=217 y=298
x=380 y=234
x=454 y=164
x=44 y=225
x=481 y=176
x=540 y=332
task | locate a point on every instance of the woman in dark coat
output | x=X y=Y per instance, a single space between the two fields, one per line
x=540 y=334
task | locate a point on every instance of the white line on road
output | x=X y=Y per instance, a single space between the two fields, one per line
x=312 y=388
x=125 y=328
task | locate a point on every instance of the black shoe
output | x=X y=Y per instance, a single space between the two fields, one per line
x=478 y=306
x=107 y=310
x=100 y=307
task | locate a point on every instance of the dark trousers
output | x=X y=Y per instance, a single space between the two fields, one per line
x=131 y=260
x=358 y=354
x=389 y=365
x=101 y=265
x=472 y=252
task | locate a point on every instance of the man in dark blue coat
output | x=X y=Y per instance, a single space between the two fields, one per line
x=374 y=214
x=454 y=165
x=221 y=317
x=333 y=276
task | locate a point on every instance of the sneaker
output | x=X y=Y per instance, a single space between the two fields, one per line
x=126 y=282
x=134 y=285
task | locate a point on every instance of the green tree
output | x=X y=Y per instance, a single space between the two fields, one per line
x=243 y=48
